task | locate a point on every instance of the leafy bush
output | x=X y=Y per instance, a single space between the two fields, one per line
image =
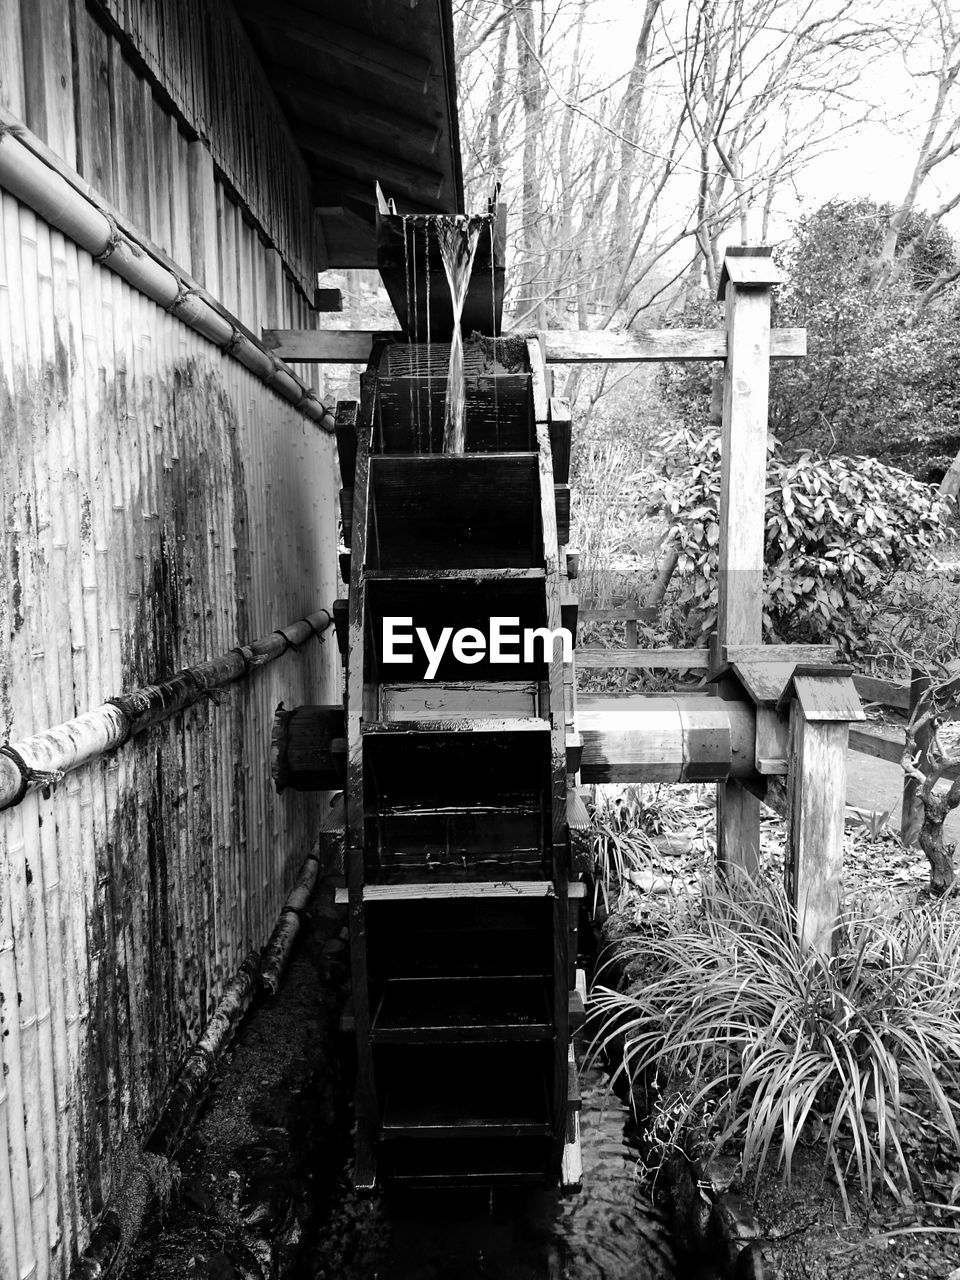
x=838 y=531
x=778 y=1046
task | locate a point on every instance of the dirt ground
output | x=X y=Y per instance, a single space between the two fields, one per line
x=251 y=1174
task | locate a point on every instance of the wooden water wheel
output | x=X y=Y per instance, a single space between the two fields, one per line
x=462 y=912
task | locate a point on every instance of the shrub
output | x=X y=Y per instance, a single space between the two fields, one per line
x=838 y=531
x=779 y=1046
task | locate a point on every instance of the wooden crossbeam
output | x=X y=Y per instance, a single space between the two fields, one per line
x=796 y=653
x=620 y=613
x=325 y=346
x=891 y=693
x=600 y=346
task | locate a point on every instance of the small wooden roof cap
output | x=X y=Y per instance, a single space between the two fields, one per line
x=751 y=266
x=824 y=693
x=764 y=682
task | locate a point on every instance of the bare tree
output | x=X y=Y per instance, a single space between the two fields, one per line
x=931 y=51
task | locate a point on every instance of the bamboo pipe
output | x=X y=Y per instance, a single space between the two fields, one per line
x=43 y=759
x=259 y=972
x=277 y=951
x=34 y=176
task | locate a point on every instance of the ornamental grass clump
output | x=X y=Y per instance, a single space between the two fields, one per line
x=858 y=1053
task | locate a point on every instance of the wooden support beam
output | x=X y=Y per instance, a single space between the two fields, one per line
x=348 y=418
x=354 y=48
x=601 y=346
x=743 y=461
x=881 y=744
x=310 y=346
x=620 y=613
x=665 y=739
x=655 y=659
x=779 y=653
x=890 y=693
x=324 y=346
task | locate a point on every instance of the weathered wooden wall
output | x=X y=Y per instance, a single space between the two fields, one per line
x=158 y=505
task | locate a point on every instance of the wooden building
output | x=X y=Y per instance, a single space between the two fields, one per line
x=173 y=175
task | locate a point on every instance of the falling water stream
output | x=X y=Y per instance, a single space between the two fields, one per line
x=457 y=237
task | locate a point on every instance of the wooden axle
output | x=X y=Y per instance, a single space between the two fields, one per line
x=655 y=739
x=646 y=738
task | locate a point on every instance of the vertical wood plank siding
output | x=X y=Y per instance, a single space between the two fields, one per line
x=159 y=505
x=198 y=52
x=142 y=72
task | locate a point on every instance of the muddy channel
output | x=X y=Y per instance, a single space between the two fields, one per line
x=262 y=1189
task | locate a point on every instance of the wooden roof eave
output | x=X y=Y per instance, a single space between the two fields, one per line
x=370 y=95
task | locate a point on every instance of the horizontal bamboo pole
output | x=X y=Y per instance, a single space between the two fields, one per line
x=191 y=1084
x=44 y=758
x=277 y=951
x=41 y=180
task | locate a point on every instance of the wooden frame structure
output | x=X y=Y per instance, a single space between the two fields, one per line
x=770 y=723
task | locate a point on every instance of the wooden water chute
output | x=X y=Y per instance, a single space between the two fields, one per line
x=457 y=856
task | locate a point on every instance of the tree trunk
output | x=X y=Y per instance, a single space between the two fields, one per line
x=495 y=106
x=936 y=807
x=629 y=131
x=939 y=855
x=531 y=93
x=912 y=811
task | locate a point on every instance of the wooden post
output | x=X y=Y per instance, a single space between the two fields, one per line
x=816 y=803
x=633 y=641
x=823 y=702
x=820 y=711
x=745 y=284
x=911 y=813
